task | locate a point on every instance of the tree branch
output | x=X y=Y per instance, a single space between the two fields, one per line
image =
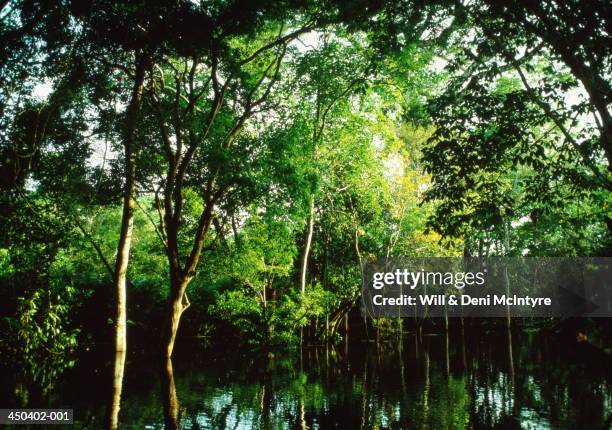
x=95 y=245
x=160 y=233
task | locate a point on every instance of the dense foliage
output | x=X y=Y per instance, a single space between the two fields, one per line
x=271 y=148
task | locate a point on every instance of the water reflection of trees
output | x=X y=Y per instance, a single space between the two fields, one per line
x=435 y=384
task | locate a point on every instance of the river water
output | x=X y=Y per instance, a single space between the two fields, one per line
x=476 y=381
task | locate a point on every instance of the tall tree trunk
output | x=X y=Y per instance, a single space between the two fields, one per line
x=180 y=277
x=125 y=242
x=307 y=247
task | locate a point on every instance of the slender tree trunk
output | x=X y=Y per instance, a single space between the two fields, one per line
x=463 y=352
x=510 y=353
x=445 y=318
x=177 y=305
x=447 y=353
x=506 y=278
x=125 y=243
x=346 y=335
x=307 y=247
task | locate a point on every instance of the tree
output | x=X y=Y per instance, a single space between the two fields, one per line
x=202 y=103
x=508 y=107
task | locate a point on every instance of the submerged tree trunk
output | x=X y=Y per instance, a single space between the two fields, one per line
x=172 y=417
x=125 y=243
x=115 y=400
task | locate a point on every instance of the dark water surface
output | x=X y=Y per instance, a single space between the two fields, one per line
x=444 y=383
